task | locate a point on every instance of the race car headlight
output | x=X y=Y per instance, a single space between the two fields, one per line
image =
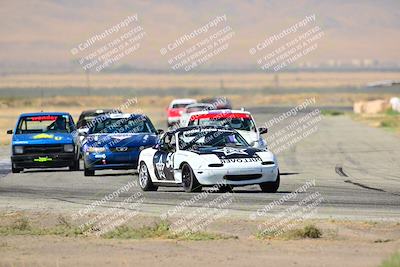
x=69 y=148
x=96 y=149
x=18 y=149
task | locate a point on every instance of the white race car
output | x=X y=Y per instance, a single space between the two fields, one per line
x=206 y=156
x=240 y=120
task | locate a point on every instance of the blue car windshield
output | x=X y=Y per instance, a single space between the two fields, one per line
x=44 y=124
x=124 y=125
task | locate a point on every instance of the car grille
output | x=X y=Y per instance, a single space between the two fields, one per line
x=121 y=150
x=43 y=149
x=242 y=177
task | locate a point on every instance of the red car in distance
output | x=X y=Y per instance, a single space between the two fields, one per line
x=176 y=109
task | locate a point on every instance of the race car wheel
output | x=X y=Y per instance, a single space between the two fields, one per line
x=88 y=172
x=145 y=180
x=16 y=170
x=189 y=180
x=271 y=187
x=74 y=166
x=225 y=188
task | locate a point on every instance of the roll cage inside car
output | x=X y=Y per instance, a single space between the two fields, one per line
x=167 y=142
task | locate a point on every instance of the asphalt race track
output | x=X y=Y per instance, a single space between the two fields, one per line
x=356 y=170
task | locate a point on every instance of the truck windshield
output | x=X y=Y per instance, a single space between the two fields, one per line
x=44 y=124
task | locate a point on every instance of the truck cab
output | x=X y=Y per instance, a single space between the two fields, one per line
x=44 y=140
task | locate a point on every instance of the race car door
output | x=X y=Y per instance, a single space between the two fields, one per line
x=164 y=157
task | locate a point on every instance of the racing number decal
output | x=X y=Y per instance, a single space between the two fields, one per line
x=163 y=165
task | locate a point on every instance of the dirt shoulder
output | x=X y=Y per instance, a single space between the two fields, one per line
x=342 y=243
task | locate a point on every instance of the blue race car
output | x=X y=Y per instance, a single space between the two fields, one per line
x=44 y=140
x=116 y=140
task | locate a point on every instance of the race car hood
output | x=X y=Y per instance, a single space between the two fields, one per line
x=118 y=140
x=43 y=139
x=228 y=152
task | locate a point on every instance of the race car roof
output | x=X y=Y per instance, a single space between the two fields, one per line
x=100 y=111
x=221 y=114
x=44 y=114
x=122 y=115
x=220 y=111
x=183 y=101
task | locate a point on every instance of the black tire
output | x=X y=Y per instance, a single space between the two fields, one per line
x=74 y=166
x=145 y=182
x=88 y=172
x=225 y=188
x=15 y=170
x=189 y=180
x=271 y=187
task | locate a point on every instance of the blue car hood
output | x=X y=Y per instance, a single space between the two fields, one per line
x=43 y=139
x=124 y=140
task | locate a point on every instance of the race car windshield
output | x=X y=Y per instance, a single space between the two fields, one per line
x=125 y=125
x=189 y=140
x=198 y=108
x=44 y=124
x=243 y=124
x=184 y=105
x=85 y=121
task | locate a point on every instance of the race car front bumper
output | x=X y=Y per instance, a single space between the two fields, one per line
x=237 y=176
x=50 y=160
x=111 y=161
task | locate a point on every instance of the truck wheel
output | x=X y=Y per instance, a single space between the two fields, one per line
x=271 y=187
x=189 y=180
x=145 y=182
x=15 y=170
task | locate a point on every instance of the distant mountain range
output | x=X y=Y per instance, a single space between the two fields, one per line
x=37 y=36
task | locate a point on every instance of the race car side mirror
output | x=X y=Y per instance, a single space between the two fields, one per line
x=9 y=131
x=160 y=131
x=263 y=130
